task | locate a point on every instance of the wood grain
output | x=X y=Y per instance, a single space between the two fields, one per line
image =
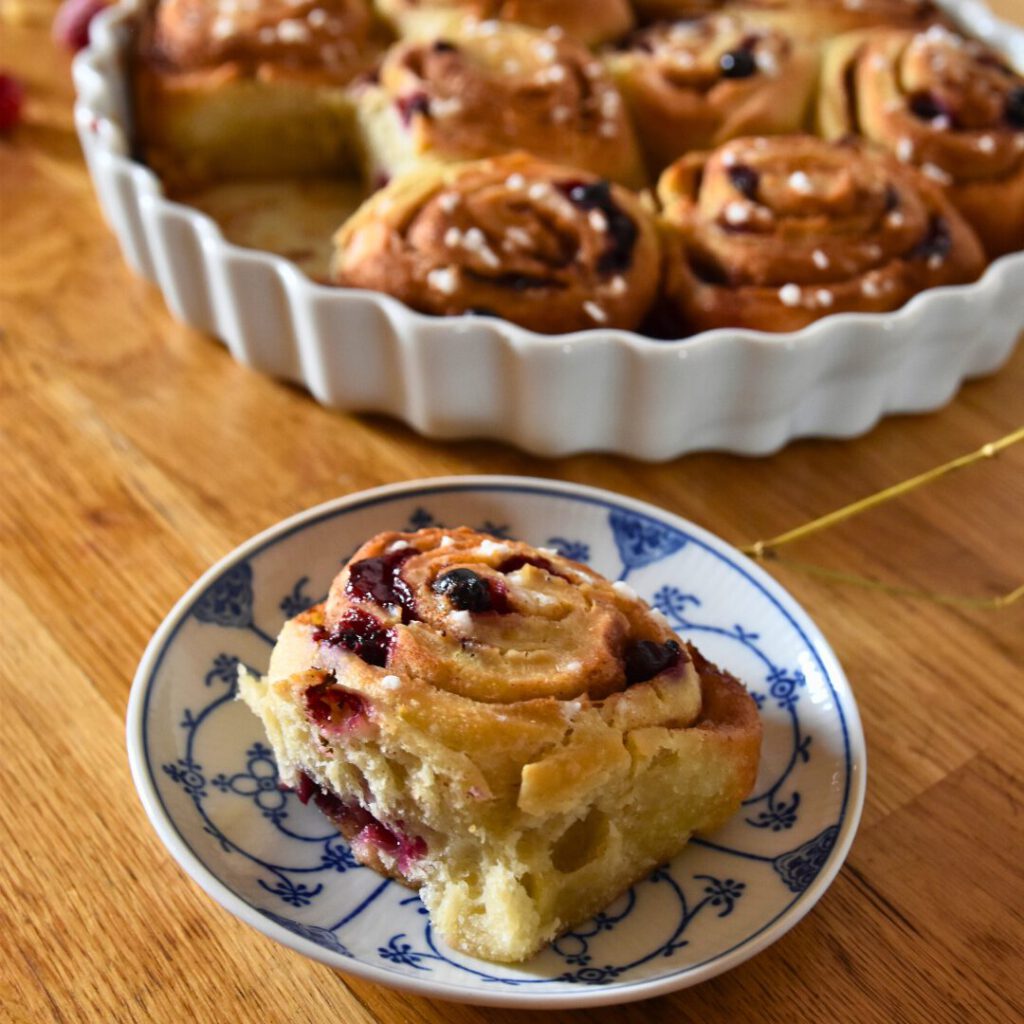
x=135 y=452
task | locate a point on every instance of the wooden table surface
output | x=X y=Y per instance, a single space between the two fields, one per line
x=135 y=452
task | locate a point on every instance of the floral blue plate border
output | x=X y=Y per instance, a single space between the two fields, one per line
x=208 y=782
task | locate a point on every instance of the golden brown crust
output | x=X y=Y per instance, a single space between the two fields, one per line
x=548 y=247
x=515 y=757
x=939 y=101
x=331 y=40
x=224 y=90
x=774 y=233
x=818 y=19
x=670 y=10
x=556 y=628
x=502 y=685
x=493 y=88
x=590 y=21
x=681 y=99
x=823 y=19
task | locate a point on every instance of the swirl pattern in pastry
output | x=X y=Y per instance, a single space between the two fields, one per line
x=492 y=88
x=691 y=85
x=552 y=248
x=774 y=233
x=590 y=21
x=823 y=19
x=949 y=105
x=503 y=729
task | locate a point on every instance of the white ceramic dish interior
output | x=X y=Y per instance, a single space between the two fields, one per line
x=208 y=781
x=452 y=377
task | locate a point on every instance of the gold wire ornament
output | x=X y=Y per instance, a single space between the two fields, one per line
x=766 y=550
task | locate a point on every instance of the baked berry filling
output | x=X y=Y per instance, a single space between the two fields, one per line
x=468 y=591
x=336 y=711
x=927 y=107
x=334 y=808
x=411 y=105
x=465 y=590
x=1015 y=107
x=345 y=816
x=622 y=232
x=647 y=659
x=706 y=270
x=354 y=819
x=12 y=100
x=499 y=597
x=745 y=180
x=514 y=282
x=362 y=634
x=936 y=243
x=394 y=842
x=304 y=790
x=739 y=63
x=379 y=579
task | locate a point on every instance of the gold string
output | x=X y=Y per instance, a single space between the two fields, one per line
x=763 y=550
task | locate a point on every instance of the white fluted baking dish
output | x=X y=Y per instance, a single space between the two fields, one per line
x=453 y=377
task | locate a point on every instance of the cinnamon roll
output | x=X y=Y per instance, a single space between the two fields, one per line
x=817 y=19
x=502 y=729
x=494 y=88
x=649 y=11
x=551 y=248
x=949 y=105
x=823 y=19
x=590 y=21
x=694 y=84
x=774 y=233
x=231 y=90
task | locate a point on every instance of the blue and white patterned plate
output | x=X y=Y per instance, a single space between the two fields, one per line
x=208 y=781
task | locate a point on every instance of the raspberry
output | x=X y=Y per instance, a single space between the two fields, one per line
x=12 y=99
x=72 y=20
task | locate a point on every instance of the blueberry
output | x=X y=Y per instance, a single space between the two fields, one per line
x=622 y=232
x=1015 y=106
x=924 y=106
x=737 y=64
x=745 y=180
x=595 y=195
x=936 y=243
x=646 y=659
x=466 y=591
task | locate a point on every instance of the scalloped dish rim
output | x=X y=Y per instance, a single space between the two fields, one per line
x=110 y=154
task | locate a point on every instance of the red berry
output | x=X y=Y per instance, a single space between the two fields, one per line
x=334 y=710
x=71 y=23
x=12 y=98
x=380 y=579
x=360 y=633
